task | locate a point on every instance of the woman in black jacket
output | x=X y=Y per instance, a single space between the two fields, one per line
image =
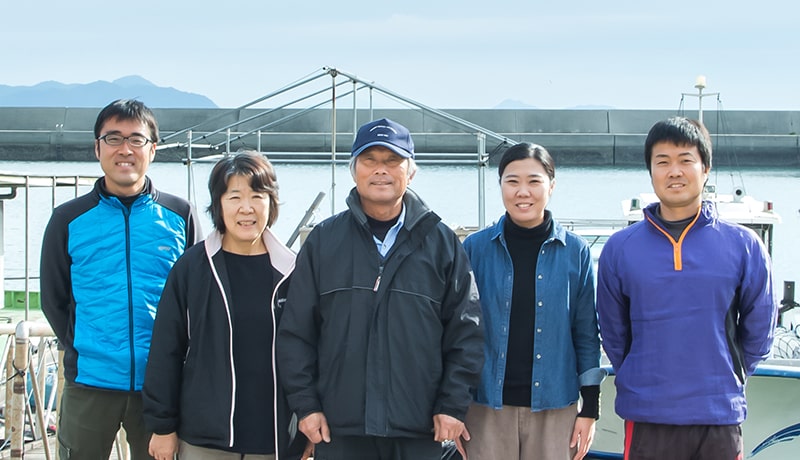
x=211 y=385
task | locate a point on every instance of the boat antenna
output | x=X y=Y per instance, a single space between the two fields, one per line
x=700 y=84
x=681 y=110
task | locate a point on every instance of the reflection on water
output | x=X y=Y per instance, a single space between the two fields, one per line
x=451 y=191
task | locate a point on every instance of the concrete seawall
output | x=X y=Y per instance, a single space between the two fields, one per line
x=574 y=137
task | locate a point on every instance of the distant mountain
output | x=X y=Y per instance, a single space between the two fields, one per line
x=513 y=104
x=517 y=104
x=100 y=93
x=592 y=107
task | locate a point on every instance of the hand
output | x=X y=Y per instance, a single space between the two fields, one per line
x=460 y=444
x=582 y=436
x=447 y=428
x=163 y=446
x=308 y=452
x=315 y=427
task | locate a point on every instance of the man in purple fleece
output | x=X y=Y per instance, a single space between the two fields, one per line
x=686 y=309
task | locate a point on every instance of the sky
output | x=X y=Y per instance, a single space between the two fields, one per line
x=445 y=54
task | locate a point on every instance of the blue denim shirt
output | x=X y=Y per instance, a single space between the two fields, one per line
x=566 y=339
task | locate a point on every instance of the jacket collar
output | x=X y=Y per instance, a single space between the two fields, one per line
x=100 y=188
x=416 y=209
x=557 y=233
x=708 y=212
x=281 y=257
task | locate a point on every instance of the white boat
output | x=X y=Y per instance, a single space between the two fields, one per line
x=736 y=206
x=772 y=428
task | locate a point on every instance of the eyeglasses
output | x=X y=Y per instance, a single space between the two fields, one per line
x=134 y=140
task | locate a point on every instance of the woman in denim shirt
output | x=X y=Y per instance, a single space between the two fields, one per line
x=542 y=344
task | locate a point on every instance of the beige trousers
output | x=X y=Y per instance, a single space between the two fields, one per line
x=188 y=451
x=516 y=433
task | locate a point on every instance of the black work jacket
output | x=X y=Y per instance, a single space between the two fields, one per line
x=381 y=344
x=190 y=383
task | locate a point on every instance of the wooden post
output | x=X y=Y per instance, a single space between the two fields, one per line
x=19 y=399
x=20 y=367
x=9 y=388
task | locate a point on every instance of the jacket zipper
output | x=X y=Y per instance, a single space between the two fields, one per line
x=378 y=279
x=126 y=212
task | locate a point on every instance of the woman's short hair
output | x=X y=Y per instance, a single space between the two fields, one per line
x=525 y=150
x=247 y=164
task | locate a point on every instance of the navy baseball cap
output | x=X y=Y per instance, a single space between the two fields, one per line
x=386 y=133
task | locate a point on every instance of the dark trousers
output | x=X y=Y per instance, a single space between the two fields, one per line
x=652 y=441
x=89 y=420
x=375 y=448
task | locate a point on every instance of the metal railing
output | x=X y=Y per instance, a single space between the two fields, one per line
x=194 y=142
x=10 y=185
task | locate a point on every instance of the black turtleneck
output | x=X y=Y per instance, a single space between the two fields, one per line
x=381 y=227
x=524 y=245
x=674 y=227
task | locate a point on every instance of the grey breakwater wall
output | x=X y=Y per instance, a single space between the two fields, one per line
x=573 y=137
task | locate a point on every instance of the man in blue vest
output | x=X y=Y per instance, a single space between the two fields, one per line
x=105 y=259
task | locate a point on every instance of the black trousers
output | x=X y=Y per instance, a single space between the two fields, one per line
x=652 y=441
x=375 y=448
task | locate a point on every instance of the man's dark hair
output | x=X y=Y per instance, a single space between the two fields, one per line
x=247 y=164
x=679 y=131
x=127 y=109
x=527 y=150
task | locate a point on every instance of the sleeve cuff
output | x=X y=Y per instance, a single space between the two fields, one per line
x=593 y=376
x=591 y=402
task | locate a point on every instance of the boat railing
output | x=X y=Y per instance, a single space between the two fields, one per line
x=30 y=360
x=594 y=231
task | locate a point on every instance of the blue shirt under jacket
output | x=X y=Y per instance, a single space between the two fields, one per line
x=566 y=338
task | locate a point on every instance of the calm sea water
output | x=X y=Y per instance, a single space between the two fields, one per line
x=452 y=191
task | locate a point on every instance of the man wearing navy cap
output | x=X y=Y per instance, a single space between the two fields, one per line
x=381 y=340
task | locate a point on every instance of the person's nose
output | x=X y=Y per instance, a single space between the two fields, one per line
x=125 y=149
x=246 y=206
x=381 y=168
x=675 y=171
